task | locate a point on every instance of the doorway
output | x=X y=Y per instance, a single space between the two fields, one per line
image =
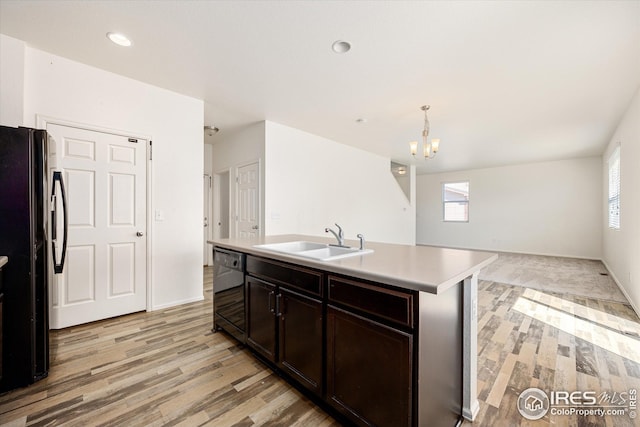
x=221 y=205
x=105 y=176
x=248 y=201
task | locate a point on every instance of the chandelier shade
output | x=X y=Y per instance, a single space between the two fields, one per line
x=429 y=147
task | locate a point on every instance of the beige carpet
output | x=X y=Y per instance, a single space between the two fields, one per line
x=580 y=277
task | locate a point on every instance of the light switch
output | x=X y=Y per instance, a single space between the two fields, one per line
x=159 y=215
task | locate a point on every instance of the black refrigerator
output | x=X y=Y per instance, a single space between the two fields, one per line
x=24 y=218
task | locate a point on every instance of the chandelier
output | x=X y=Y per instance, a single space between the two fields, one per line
x=429 y=148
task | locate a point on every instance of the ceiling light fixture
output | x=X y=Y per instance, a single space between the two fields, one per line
x=429 y=148
x=119 y=39
x=211 y=130
x=341 y=46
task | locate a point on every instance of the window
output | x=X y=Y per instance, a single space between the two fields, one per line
x=455 y=201
x=614 y=189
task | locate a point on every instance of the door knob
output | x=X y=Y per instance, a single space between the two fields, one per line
x=255 y=227
x=139 y=234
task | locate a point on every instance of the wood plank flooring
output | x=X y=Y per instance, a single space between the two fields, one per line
x=168 y=368
x=164 y=368
x=555 y=342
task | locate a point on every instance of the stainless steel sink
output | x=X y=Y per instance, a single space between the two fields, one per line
x=319 y=251
x=290 y=247
x=334 y=252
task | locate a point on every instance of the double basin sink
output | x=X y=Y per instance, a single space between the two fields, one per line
x=313 y=250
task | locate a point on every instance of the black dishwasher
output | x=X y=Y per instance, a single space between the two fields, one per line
x=228 y=293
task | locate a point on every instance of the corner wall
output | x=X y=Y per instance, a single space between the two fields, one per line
x=62 y=89
x=548 y=208
x=11 y=81
x=622 y=247
x=313 y=182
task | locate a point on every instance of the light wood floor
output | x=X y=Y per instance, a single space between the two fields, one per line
x=167 y=368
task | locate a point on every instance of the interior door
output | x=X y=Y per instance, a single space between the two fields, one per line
x=105 y=273
x=248 y=216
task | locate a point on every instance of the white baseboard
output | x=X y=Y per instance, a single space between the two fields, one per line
x=175 y=303
x=471 y=413
x=622 y=289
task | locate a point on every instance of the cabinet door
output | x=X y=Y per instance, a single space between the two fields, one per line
x=261 y=319
x=300 y=352
x=369 y=370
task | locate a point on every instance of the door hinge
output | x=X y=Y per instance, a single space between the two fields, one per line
x=150 y=150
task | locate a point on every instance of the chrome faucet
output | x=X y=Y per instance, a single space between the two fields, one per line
x=339 y=235
x=361 y=237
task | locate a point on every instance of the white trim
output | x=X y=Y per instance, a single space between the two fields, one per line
x=42 y=121
x=622 y=289
x=150 y=224
x=176 y=303
x=209 y=212
x=444 y=203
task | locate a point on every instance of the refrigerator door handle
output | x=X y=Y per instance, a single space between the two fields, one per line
x=57 y=177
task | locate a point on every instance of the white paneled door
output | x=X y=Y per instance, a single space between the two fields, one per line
x=105 y=270
x=248 y=214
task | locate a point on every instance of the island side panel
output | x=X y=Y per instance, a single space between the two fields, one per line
x=470 y=405
x=440 y=357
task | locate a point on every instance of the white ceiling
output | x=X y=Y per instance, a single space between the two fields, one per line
x=508 y=82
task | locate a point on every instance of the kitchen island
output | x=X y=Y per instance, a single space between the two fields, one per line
x=383 y=338
x=3 y=261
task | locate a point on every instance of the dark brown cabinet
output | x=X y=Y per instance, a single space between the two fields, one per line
x=1 y=303
x=261 y=321
x=370 y=352
x=300 y=352
x=284 y=325
x=369 y=370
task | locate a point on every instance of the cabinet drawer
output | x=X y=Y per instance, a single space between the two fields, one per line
x=389 y=304
x=286 y=274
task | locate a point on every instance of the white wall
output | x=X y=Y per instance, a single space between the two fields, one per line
x=11 y=81
x=312 y=182
x=549 y=208
x=67 y=90
x=622 y=247
x=208 y=159
x=238 y=148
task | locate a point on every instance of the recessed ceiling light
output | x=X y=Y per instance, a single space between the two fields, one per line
x=119 y=39
x=361 y=120
x=341 y=46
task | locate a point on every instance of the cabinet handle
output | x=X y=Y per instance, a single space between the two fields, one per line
x=271 y=309
x=279 y=305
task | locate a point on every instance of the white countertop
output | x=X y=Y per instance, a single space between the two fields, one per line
x=3 y=260
x=422 y=268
